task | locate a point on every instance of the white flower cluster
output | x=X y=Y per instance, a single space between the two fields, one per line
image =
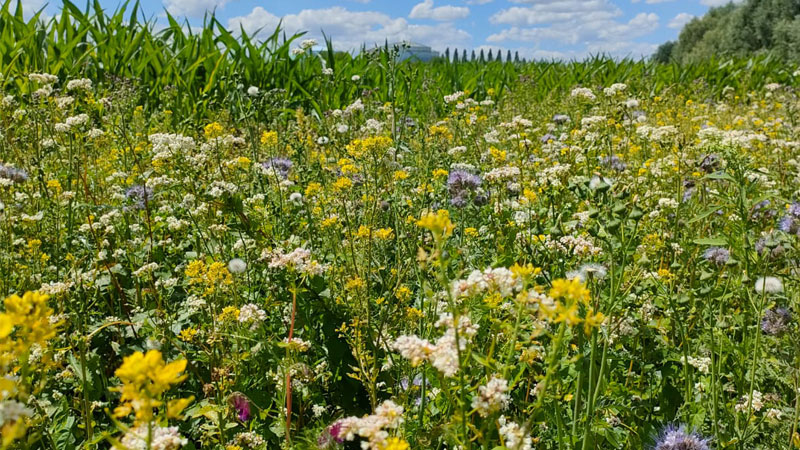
x=388 y=415
x=500 y=280
x=584 y=93
x=514 y=436
x=12 y=411
x=298 y=259
x=702 y=364
x=492 y=397
x=163 y=438
x=453 y=97
x=502 y=173
x=252 y=314
x=248 y=439
x=443 y=355
x=81 y=84
x=757 y=402
x=575 y=245
x=614 y=89
x=42 y=78
x=168 y=144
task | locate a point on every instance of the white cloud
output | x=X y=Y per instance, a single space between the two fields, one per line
x=447 y=13
x=349 y=30
x=478 y=2
x=192 y=8
x=588 y=26
x=718 y=2
x=549 y=11
x=680 y=20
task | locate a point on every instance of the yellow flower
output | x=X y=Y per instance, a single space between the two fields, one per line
x=145 y=378
x=342 y=184
x=229 y=313
x=394 y=443
x=439 y=173
x=269 y=138
x=187 y=334
x=400 y=175
x=213 y=130
x=572 y=290
x=437 y=223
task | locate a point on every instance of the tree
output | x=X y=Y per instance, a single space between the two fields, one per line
x=455 y=56
x=464 y=55
x=516 y=57
x=508 y=56
x=490 y=55
x=447 y=54
x=664 y=52
x=499 y=58
x=473 y=55
x=483 y=58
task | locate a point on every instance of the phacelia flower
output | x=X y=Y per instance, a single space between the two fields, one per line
x=680 y=439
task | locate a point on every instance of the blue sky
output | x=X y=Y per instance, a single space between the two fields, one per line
x=535 y=28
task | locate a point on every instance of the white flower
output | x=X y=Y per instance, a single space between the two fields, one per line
x=355 y=78
x=81 y=84
x=327 y=71
x=162 y=438
x=252 y=91
x=237 y=265
x=491 y=397
x=770 y=285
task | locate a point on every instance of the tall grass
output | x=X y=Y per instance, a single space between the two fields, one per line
x=211 y=66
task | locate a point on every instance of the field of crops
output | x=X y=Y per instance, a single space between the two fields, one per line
x=207 y=241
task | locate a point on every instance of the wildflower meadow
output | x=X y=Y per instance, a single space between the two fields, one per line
x=354 y=252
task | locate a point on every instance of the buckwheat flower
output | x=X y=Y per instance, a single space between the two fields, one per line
x=514 y=436
x=252 y=91
x=43 y=78
x=717 y=255
x=769 y=285
x=327 y=71
x=81 y=84
x=161 y=438
x=251 y=313
x=413 y=348
x=237 y=265
x=680 y=439
x=355 y=78
x=776 y=321
x=491 y=397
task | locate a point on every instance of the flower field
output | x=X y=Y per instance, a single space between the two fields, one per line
x=601 y=262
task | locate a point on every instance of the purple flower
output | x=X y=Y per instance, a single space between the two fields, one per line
x=547 y=138
x=776 y=321
x=762 y=210
x=717 y=255
x=613 y=162
x=790 y=223
x=336 y=431
x=709 y=163
x=280 y=166
x=560 y=118
x=680 y=439
x=139 y=195
x=241 y=404
x=10 y=172
x=461 y=184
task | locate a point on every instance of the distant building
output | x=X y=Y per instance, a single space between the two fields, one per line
x=412 y=50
